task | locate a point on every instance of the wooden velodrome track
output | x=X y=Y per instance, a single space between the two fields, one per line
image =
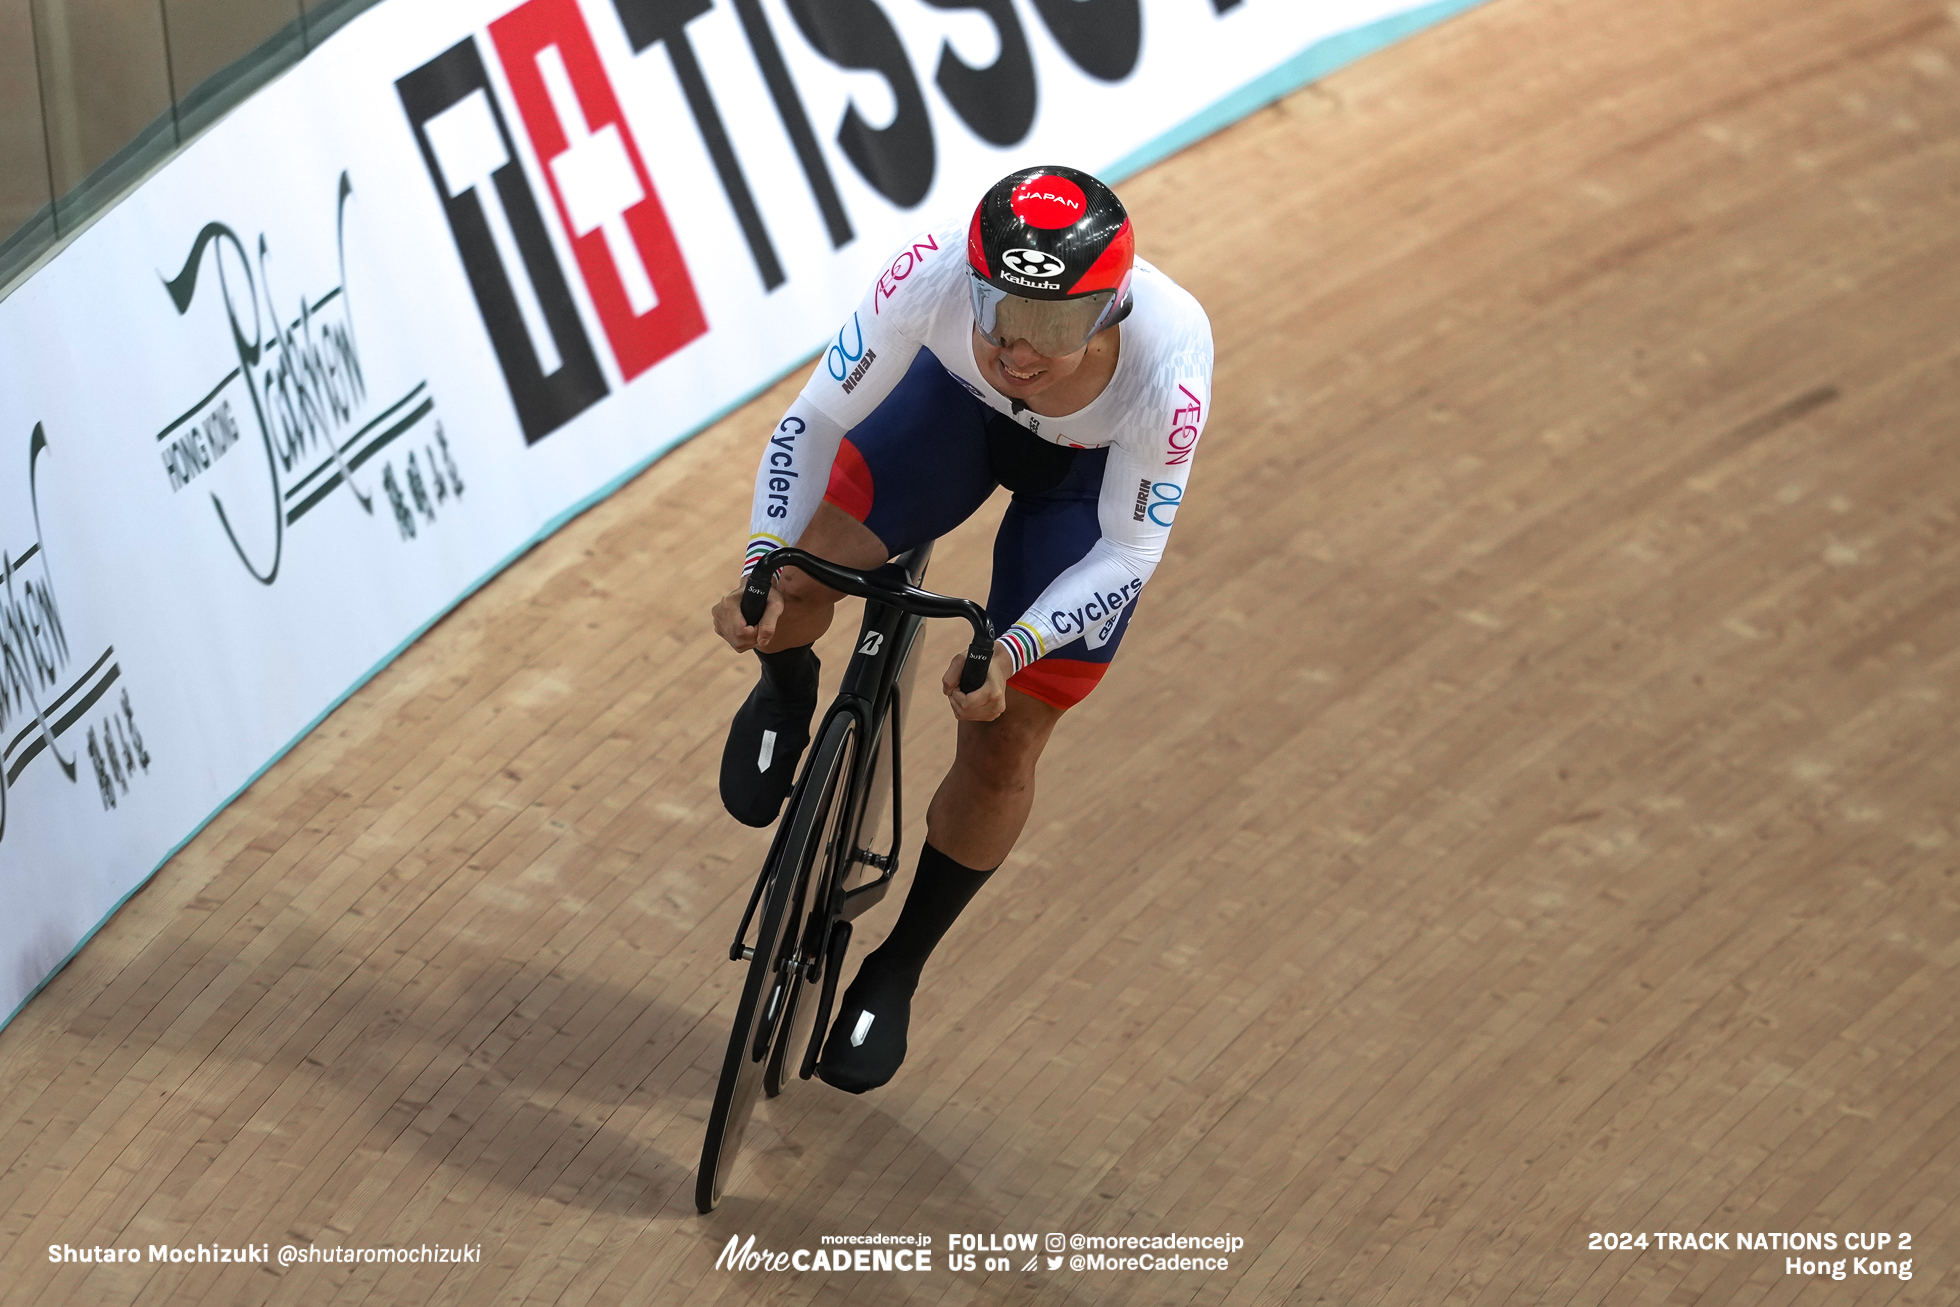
x=1525 y=807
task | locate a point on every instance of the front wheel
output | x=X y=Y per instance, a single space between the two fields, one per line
x=764 y=1017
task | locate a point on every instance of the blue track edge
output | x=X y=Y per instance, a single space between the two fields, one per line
x=1311 y=64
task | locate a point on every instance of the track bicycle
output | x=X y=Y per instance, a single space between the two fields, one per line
x=804 y=902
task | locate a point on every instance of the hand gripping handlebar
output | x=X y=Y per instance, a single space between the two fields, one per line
x=885 y=588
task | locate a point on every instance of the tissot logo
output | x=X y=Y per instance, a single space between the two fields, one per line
x=610 y=214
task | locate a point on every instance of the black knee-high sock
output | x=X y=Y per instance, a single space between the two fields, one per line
x=792 y=671
x=941 y=889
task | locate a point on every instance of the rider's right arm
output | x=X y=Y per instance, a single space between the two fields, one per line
x=856 y=371
x=794 y=473
x=859 y=367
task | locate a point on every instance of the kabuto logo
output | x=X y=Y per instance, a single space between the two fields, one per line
x=303 y=384
x=1034 y=263
x=608 y=210
x=49 y=704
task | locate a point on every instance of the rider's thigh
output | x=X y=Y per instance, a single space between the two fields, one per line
x=1003 y=752
x=836 y=537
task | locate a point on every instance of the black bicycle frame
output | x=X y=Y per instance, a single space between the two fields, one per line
x=894 y=612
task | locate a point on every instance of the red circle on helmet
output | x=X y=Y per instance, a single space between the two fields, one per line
x=1049 y=202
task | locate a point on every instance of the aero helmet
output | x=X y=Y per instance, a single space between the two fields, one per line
x=1049 y=253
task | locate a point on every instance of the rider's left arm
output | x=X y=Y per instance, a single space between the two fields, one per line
x=1143 y=485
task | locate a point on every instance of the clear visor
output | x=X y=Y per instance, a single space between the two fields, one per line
x=1051 y=328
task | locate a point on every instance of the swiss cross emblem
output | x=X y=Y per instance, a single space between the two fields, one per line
x=606 y=205
x=606 y=201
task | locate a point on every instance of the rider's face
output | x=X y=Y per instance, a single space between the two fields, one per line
x=1018 y=372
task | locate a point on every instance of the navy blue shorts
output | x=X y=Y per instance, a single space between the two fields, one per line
x=926 y=460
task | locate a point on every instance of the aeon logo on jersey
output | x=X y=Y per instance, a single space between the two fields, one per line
x=1034 y=263
x=1185 y=421
x=606 y=205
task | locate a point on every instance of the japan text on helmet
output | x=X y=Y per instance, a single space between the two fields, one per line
x=1049 y=252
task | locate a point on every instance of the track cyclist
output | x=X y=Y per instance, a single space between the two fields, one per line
x=1051 y=361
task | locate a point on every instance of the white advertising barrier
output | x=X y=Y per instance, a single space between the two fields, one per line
x=457 y=274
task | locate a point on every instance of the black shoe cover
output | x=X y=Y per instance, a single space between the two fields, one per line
x=769 y=733
x=867 y=1041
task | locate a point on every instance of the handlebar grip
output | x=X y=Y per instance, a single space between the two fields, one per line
x=979 y=657
x=755 y=593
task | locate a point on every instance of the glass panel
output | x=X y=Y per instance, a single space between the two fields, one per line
x=86 y=95
x=206 y=35
x=23 y=143
x=103 y=77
